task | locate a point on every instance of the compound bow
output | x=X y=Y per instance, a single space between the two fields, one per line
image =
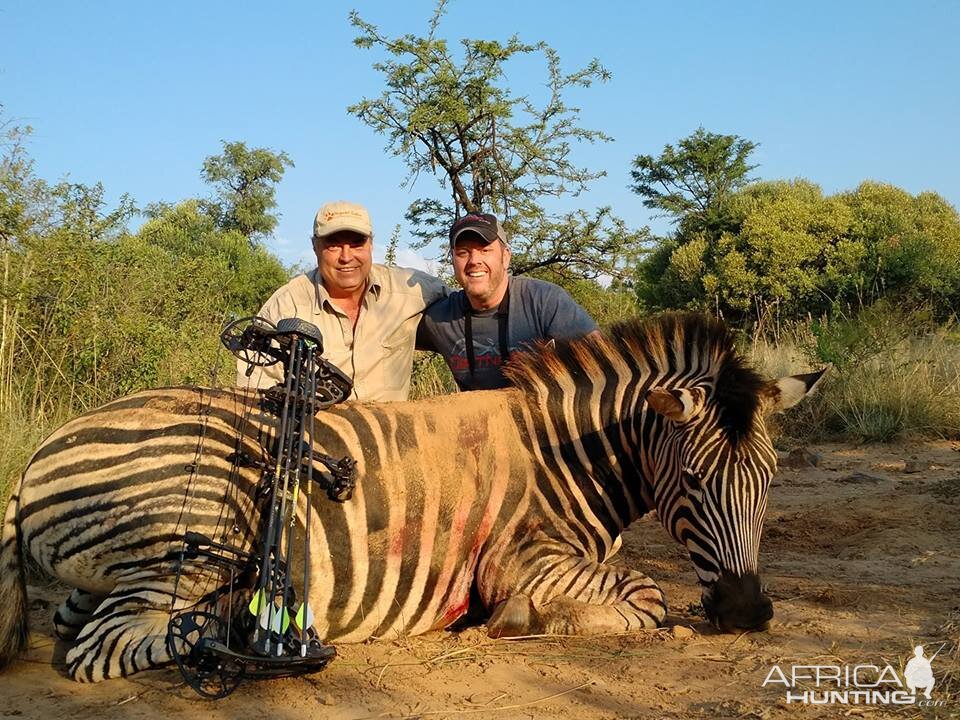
x=219 y=646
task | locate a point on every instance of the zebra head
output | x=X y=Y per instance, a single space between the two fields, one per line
x=664 y=414
x=713 y=468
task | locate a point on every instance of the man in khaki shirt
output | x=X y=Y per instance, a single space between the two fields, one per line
x=367 y=314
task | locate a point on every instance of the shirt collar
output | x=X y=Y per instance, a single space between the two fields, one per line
x=375 y=280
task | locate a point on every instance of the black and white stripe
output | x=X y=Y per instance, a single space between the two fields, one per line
x=518 y=495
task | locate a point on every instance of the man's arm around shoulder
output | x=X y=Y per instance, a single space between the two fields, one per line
x=429 y=287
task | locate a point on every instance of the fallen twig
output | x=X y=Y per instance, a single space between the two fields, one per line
x=737 y=638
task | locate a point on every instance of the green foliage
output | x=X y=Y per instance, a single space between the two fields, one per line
x=911 y=245
x=834 y=273
x=693 y=181
x=390 y=255
x=89 y=311
x=606 y=305
x=789 y=252
x=787 y=255
x=249 y=273
x=244 y=180
x=670 y=276
x=449 y=113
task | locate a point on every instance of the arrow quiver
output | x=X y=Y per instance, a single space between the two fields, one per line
x=252 y=625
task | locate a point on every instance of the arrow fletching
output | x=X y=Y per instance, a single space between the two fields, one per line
x=274 y=619
x=304 y=617
x=257 y=602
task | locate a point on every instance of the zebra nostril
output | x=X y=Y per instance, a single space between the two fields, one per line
x=736 y=602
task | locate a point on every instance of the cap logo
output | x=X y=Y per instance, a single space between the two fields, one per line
x=471 y=218
x=330 y=214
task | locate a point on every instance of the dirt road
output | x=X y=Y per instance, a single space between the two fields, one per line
x=861 y=558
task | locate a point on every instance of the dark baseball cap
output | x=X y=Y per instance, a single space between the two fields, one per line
x=484 y=225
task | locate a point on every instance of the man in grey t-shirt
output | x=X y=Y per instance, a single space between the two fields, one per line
x=476 y=329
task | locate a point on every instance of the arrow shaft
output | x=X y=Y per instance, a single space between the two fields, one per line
x=266 y=568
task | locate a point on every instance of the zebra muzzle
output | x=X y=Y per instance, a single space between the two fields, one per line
x=737 y=602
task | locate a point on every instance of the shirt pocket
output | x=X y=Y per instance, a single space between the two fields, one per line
x=397 y=360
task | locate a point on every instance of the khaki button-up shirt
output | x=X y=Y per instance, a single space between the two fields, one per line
x=378 y=352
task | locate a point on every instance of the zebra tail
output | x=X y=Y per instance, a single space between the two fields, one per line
x=13 y=587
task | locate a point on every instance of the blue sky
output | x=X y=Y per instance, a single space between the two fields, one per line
x=136 y=94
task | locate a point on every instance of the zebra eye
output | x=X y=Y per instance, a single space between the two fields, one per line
x=694 y=482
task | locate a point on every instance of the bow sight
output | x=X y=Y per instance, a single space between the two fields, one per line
x=252 y=625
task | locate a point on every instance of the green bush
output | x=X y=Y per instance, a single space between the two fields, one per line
x=90 y=312
x=788 y=252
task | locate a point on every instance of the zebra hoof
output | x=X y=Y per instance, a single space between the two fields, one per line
x=81 y=670
x=513 y=617
x=63 y=630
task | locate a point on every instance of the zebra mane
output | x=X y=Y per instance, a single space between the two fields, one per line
x=673 y=343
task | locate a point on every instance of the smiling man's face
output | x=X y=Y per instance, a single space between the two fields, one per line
x=481 y=269
x=344 y=259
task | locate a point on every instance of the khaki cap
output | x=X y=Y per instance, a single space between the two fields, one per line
x=340 y=215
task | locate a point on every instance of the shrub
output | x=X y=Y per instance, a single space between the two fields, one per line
x=787 y=252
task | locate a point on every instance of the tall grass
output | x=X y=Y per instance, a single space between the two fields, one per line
x=895 y=374
x=431 y=376
x=21 y=430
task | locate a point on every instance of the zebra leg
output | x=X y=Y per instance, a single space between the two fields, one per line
x=577 y=596
x=126 y=633
x=74 y=613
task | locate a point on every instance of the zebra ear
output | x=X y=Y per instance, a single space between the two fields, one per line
x=678 y=404
x=788 y=391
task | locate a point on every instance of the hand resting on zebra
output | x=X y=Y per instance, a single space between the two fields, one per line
x=519 y=495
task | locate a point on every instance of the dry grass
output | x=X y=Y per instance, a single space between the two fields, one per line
x=21 y=431
x=431 y=376
x=892 y=380
x=893 y=376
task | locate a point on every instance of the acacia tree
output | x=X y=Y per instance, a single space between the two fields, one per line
x=693 y=182
x=244 y=179
x=450 y=115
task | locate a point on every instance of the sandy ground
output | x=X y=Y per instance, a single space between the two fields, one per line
x=861 y=555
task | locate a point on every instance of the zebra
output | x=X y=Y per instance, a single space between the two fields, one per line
x=513 y=500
